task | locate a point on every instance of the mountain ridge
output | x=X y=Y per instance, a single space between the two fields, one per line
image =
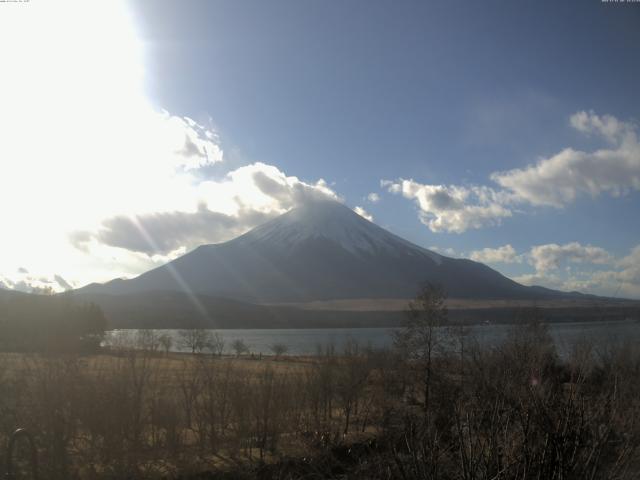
x=320 y=251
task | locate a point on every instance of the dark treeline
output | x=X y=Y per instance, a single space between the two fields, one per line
x=46 y=323
x=436 y=406
x=177 y=310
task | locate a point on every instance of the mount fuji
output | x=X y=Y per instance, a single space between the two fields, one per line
x=319 y=251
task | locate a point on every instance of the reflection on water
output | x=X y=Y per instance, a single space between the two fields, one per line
x=306 y=341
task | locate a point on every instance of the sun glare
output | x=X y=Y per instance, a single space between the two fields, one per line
x=72 y=79
x=80 y=139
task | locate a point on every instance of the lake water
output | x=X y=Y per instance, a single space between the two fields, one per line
x=306 y=341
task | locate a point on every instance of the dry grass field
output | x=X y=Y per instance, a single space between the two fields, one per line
x=431 y=408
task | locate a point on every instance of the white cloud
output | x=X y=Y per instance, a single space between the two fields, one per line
x=573 y=267
x=504 y=254
x=607 y=126
x=373 y=197
x=550 y=256
x=266 y=187
x=452 y=208
x=25 y=282
x=563 y=177
x=448 y=251
x=621 y=279
x=363 y=213
x=548 y=280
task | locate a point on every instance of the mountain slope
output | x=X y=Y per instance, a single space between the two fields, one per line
x=319 y=251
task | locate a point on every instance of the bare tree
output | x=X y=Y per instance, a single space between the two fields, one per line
x=195 y=339
x=166 y=341
x=213 y=407
x=279 y=349
x=422 y=334
x=216 y=344
x=239 y=347
x=147 y=339
x=351 y=379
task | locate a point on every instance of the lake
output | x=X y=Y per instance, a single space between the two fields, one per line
x=306 y=341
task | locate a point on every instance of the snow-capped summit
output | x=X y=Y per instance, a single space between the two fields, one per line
x=320 y=251
x=331 y=221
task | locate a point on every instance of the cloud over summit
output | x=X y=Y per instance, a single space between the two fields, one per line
x=224 y=209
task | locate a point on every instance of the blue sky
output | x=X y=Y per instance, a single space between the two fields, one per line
x=428 y=105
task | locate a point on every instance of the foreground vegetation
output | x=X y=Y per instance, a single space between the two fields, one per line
x=436 y=406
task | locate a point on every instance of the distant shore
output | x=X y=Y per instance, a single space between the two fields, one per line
x=368 y=313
